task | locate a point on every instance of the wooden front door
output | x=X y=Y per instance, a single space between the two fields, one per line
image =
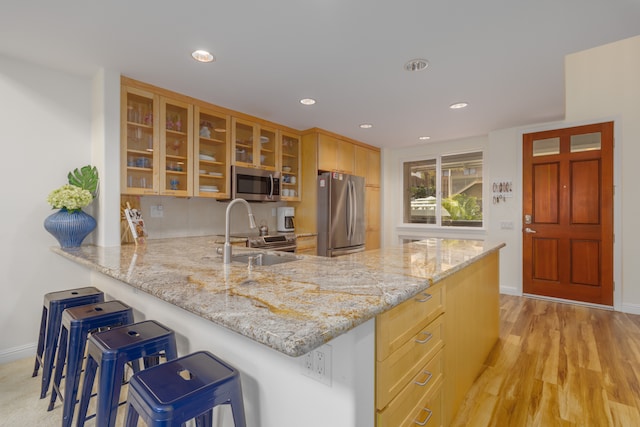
x=568 y=213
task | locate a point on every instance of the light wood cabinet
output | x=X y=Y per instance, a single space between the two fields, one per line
x=290 y=165
x=139 y=142
x=367 y=164
x=212 y=131
x=460 y=317
x=307 y=245
x=372 y=217
x=176 y=148
x=409 y=360
x=335 y=154
x=254 y=145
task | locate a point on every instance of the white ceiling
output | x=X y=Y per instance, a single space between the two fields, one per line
x=504 y=57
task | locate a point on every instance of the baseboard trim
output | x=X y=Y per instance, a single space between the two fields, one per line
x=630 y=308
x=17 y=353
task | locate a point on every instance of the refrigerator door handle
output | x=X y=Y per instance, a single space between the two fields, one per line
x=355 y=209
x=348 y=207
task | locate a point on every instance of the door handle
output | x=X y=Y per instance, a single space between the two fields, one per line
x=528 y=230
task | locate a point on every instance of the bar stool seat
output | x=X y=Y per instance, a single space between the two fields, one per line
x=77 y=324
x=110 y=351
x=189 y=387
x=54 y=304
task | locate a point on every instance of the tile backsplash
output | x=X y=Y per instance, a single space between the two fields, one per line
x=202 y=217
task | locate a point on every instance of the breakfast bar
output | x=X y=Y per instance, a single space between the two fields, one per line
x=265 y=319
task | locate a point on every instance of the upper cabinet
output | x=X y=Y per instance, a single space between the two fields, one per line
x=367 y=164
x=176 y=148
x=290 y=164
x=211 y=154
x=139 y=142
x=254 y=145
x=335 y=154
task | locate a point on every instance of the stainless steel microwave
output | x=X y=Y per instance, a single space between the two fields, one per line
x=255 y=184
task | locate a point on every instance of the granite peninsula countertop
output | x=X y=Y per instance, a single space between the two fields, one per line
x=291 y=307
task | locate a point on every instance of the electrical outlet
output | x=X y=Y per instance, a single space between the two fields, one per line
x=157 y=211
x=317 y=364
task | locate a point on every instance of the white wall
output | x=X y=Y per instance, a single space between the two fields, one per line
x=44 y=133
x=604 y=84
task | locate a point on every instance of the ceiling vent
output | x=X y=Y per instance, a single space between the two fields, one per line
x=416 y=65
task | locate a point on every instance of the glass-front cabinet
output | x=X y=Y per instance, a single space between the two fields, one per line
x=211 y=154
x=254 y=145
x=176 y=148
x=139 y=142
x=290 y=166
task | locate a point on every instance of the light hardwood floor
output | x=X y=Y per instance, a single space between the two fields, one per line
x=558 y=364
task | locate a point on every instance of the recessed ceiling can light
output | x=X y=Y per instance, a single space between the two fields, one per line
x=307 y=101
x=203 y=56
x=458 y=105
x=424 y=138
x=366 y=126
x=416 y=65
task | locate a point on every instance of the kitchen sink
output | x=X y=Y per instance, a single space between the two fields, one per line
x=263 y=258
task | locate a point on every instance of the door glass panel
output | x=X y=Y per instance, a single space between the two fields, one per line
x=546 y=147
x=585 y=142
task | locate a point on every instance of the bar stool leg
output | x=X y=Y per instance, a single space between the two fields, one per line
x=87 y=385
x=237 y=408
x=53 y=324
x=41 y=338
x=57 y=378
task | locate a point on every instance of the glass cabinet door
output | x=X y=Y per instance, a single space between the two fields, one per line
x=176 y=149
x=211 y=154
x=267 y=149
x=139 y=142
x=243 y=136
x=290 y=162
x=254 y=145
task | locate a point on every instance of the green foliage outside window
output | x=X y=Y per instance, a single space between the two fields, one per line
x=462 y=207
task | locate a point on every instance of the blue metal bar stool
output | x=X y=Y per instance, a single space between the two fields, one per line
x=54 y=304
x=189 y=387
x=111 y=350
x=77 y=324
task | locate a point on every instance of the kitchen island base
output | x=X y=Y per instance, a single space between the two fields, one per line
x=276 y=393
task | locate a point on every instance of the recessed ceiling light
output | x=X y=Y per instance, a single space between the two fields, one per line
x=416 y=65
x=307 y=101
x=458 y=105
x=366 y=126
x=203 y=56
x=424 y=138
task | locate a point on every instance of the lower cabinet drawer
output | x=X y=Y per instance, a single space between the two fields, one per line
x=414 y=408
x=398 y=370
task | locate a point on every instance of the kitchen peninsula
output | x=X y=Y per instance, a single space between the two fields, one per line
x=262 y=319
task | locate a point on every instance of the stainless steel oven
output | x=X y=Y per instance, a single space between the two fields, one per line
x=276 y=242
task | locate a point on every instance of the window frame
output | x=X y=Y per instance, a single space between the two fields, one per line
x=438 y=208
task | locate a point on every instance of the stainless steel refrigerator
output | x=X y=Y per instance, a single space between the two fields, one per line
x=340 y=214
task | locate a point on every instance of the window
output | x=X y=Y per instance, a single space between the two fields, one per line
x=444 y=191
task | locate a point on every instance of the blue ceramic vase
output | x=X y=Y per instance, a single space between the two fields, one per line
x=70 y=228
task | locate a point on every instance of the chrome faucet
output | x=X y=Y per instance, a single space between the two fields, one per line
x=226 y=258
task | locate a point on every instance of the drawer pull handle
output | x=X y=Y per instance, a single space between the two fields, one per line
x=429 y=375
x=426 y=298
x=428 y=336
x=426 y=420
